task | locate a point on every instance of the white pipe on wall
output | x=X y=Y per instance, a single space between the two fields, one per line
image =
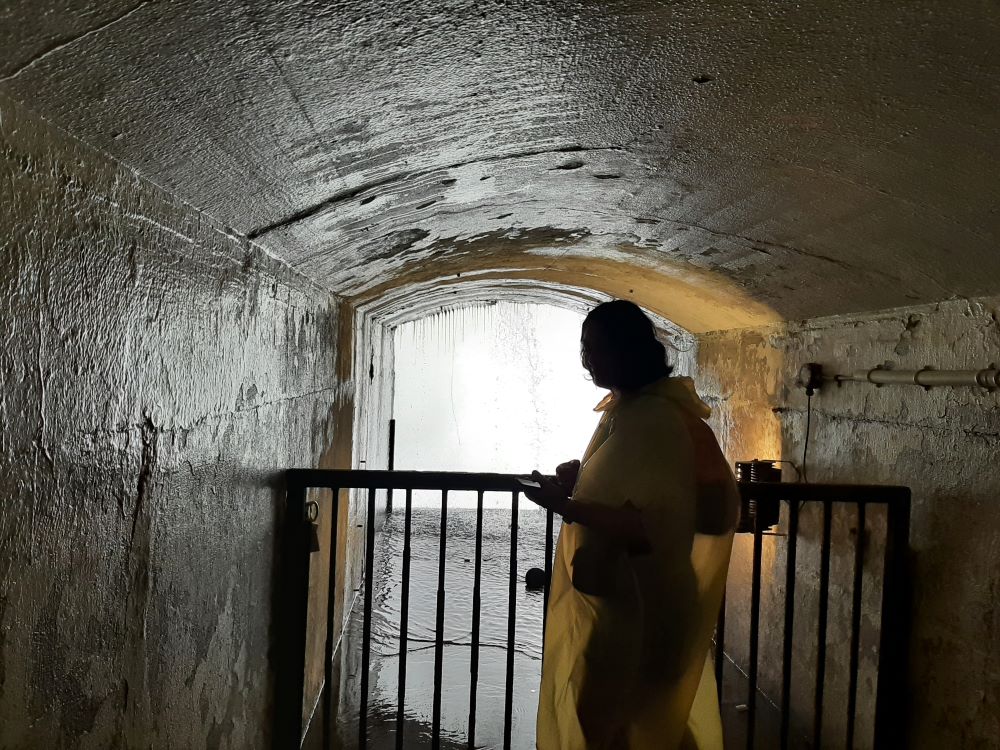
x=988 y=378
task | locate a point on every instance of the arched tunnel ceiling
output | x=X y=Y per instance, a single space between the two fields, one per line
x=771 y=159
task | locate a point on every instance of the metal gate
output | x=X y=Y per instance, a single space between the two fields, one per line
x=293 y=725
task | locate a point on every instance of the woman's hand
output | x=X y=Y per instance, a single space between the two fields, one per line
x=551 y=495
x=623 y=524
x=566 y=474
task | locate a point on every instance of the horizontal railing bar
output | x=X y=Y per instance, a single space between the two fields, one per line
x=490 y=482
x=406 y=480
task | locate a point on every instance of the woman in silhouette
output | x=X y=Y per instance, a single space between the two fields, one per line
x=640 y=567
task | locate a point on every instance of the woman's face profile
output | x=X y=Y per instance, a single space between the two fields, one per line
x=596 y=357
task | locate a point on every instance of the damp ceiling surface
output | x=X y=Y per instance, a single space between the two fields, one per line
x=809 y=158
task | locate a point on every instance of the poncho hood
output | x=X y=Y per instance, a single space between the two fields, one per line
x=678 y=389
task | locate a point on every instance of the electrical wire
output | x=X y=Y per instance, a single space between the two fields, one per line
x=805 y=447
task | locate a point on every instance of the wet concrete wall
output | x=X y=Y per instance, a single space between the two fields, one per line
x=365 y=348
x=158 y=373
x=942 y=443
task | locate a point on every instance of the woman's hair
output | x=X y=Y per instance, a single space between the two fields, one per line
x=628 y=339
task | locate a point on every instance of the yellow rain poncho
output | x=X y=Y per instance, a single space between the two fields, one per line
x=627 y=663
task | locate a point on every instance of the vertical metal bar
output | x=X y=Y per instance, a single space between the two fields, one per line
x=824 y=606
x=859 y=561
x=754 y=632
x=392 y=462
x=549 y=526
x=331 y=626
x=392 y=444
x=404 y=622
x=292 y=620
x=890 y=699
x=476 y=606
x=367 y=626
x=720 y=644
x=508 y=707
x=786 y=649
x=439 y=626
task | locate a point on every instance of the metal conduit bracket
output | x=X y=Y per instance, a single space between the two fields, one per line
x=916 y=377
x=989 y=378
x=878 y=383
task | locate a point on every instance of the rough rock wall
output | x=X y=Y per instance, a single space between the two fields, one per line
x=158 y=373
x=943 y=443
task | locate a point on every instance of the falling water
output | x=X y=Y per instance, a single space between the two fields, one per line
x=494 y=387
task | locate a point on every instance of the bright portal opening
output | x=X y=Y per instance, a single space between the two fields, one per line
x=496 y=388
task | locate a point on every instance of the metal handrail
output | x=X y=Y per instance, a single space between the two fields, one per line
x=364 y=479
